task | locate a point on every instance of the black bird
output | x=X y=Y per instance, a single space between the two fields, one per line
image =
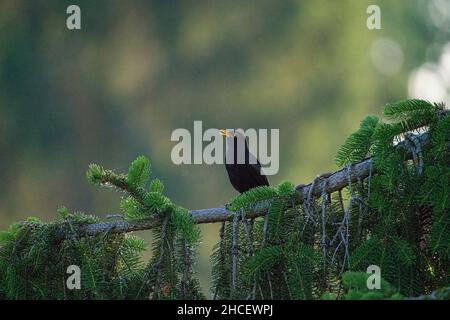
x=243 y=176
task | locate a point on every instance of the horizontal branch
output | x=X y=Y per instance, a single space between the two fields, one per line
x=328 y=183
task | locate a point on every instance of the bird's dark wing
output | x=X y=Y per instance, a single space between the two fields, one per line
x=255 y=169
x=247 y=175
x=259 y=174
x=244 y=177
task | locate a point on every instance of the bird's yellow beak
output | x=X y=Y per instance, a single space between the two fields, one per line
x=225 y=133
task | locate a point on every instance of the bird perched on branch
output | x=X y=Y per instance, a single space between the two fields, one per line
x=244 y=170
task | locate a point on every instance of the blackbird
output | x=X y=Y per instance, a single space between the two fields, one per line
x=243 y=176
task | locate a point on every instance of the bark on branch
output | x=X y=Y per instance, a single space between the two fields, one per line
x=329 y=182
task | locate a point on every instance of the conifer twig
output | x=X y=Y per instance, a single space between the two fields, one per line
x=156 y=265
x=234 y=252
x=186 y=269
x=323 y=240
x=221 y=251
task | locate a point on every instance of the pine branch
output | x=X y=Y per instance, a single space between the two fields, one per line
x=328 y=183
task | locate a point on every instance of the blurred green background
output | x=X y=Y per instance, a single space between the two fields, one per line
x=137 y=70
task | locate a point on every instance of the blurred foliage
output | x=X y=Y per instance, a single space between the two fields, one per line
x=139 y=69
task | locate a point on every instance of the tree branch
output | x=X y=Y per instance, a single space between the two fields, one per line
x=329 y=183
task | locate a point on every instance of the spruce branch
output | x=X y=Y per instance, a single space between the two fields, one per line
x=331 y=183
x=399 y=221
